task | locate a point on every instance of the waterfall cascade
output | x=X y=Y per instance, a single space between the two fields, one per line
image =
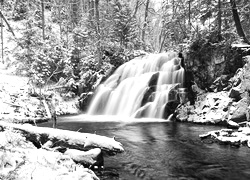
x=141 y=87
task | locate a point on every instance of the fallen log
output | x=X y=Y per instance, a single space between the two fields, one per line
x=64 y=138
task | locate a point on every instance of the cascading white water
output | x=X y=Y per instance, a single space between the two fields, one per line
x=153 y=78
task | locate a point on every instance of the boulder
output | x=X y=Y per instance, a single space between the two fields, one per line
x=170 y=108
x=220 y=83
x=232 y=124
x=87 y=158
x=235 y=93
x=246 y=74
x=237 y=113
x=148 y=95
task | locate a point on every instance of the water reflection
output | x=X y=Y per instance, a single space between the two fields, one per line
x=167 y=150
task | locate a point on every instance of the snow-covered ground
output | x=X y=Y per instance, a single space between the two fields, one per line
x=15 y=102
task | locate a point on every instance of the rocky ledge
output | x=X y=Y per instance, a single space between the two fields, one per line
x=227 y=104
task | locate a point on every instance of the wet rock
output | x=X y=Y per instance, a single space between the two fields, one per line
x=189 y=81
x=149 y=95
x=153 y=80
x=170 y=108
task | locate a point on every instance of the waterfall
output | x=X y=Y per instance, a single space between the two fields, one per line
x=141 y=87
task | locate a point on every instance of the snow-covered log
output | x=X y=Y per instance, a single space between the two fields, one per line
x=69 y=139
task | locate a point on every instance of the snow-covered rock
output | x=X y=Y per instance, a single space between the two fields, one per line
x=209 y=108
x=229 y=136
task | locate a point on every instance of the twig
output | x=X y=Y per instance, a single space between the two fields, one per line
x=12 y=104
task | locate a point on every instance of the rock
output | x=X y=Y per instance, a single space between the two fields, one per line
x=208 y=108
x=89 y=158
x=237 y=78
x=244 y=130
x=196 y=89
x=238 y=112
x=170 y=108
x=248 y=143
x=232 y=124
x=148 y=95
x=153 y=80
x=229 y=136
x=235 y=93
x=51 y=165
x=236 y=141
x=248 y=114
x=220 y=83
x=84 y=100
x=203 y=136
x=246 y=74
x=183 y=95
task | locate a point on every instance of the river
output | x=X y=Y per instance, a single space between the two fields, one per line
x=163 y=150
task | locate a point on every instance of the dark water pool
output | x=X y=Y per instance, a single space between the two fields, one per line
x=164 y=150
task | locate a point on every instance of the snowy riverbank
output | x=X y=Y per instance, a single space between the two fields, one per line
x=19 y=104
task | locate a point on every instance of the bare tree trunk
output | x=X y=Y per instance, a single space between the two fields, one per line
x=5 y=20
x=219 y=20
x=58 y=3
x=162 y=43
x=189 y=16
x=236 y=17
x=145 y=21
x=98 y=33
x=2 y=32
x=43 y=20
x=136 y=8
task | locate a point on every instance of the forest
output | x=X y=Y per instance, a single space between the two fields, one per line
x=82 y=41
x=127 y=74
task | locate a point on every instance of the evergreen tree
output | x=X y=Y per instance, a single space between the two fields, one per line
x=125 y=25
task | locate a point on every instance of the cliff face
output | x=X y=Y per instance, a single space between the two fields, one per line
x=228 y=100
x=207 y=61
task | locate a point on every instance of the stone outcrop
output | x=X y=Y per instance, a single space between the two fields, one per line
x=228 y=104
x=208 y=108
x=209 y=60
